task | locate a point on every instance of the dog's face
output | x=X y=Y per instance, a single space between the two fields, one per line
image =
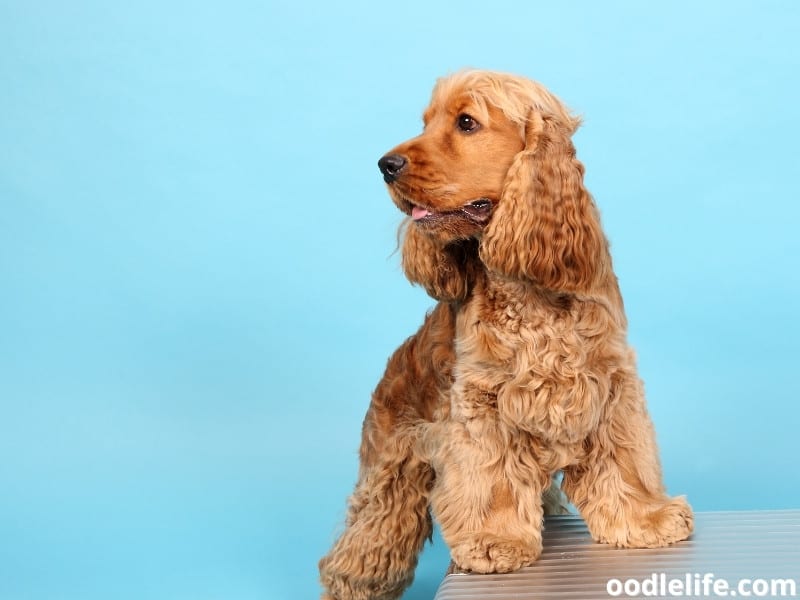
x=450 y=178
x=493 y=185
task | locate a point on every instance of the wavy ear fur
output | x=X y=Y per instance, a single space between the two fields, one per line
x=446 y=272
x=546 y=228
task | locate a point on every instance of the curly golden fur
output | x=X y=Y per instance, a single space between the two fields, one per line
x=522 y=369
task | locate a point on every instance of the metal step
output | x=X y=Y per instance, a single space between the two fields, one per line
x=754 y=553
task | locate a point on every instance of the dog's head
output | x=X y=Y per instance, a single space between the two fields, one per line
x=492 y=182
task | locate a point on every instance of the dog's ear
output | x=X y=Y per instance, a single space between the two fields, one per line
x=546 y=228
x=445 y=271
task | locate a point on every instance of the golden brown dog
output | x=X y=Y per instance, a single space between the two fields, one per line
x=520 y=371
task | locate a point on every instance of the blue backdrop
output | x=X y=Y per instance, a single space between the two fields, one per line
x=199 y=290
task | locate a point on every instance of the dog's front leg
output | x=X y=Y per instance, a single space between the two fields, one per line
x=618 y=486
x=387 y=524
x=388 y=518
x=488 y=491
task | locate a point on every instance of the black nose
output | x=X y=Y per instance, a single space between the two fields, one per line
x=391 y=165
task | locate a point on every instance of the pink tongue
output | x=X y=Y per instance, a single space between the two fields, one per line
x=417 y=213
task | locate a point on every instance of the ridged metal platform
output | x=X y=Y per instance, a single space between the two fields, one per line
x=731 y=546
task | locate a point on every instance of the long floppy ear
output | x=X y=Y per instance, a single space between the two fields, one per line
x=546 y=228
x=445 y=271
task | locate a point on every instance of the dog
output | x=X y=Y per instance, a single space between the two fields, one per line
x=521 y=371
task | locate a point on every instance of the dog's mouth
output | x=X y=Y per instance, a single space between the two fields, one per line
x=478 y=211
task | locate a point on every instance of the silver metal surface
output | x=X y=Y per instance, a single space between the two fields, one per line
x=731 y=546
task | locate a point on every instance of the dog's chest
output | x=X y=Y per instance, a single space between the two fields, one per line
x=508 y=328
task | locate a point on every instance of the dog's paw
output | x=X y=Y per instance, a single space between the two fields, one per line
x=660 y=526
x=485 y=553
x=672 y=523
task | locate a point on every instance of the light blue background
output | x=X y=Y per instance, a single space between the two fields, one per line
x=199 y=290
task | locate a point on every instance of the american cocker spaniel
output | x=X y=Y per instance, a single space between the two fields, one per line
x=521 y=371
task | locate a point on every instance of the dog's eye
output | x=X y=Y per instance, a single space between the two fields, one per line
x=466 y=123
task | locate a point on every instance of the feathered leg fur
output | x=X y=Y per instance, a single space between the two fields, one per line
x=387 y=524
x=488 y=499
x=618 y=488
x=388 y=518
